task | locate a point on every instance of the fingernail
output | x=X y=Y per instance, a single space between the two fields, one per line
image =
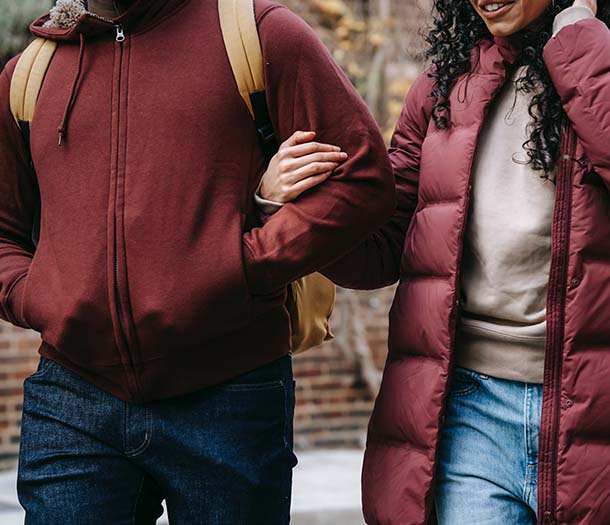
x=344 y=155
x=336 y=148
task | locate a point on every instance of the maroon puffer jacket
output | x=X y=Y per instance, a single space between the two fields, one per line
x=432 y=169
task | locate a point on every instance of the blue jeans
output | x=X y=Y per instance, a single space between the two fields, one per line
x=218 y=456
x=488 y=452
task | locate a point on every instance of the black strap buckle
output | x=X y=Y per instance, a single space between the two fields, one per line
x=264 y=126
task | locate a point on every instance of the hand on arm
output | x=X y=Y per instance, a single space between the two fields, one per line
x=306 y=90
x=299 y=165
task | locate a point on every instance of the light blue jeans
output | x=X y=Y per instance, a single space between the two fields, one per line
x=488 y=452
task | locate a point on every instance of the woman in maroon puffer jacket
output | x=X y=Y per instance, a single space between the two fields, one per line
x=501 y=243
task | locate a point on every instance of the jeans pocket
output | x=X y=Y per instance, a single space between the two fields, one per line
x=43 y=367
x=258 y=412
x=251 y=387
x=463 y=382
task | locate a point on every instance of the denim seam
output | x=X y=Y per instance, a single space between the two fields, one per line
x=135 y=506
x=526 y=403
x=125 y=424
x=254 y=387
x=147 y=435
x=147 y=438
x=530 y=444
x=285 y=415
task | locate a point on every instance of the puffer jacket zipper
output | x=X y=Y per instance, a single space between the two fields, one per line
x=556 y=300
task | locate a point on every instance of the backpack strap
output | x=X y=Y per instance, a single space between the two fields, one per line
x=243 y=45
x=26 y=83
x=27 y=80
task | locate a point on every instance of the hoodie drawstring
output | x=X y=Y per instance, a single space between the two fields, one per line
x=63 y=127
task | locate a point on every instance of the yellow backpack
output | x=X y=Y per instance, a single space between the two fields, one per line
x=312 y=297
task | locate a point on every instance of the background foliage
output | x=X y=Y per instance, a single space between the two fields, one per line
x=15 y=16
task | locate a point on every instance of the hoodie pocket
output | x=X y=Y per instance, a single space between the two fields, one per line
x=31 y=312
x=193 y=292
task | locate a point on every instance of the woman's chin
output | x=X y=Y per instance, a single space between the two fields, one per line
x=503 y=30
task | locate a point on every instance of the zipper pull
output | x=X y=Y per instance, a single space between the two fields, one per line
x=120 y=35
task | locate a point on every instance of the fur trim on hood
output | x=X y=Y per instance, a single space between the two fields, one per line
x=65 y=14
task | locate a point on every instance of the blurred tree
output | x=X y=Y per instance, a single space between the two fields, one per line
x=15 y=17
x=378 y=43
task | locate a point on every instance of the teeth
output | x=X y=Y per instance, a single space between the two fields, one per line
x=493 y=7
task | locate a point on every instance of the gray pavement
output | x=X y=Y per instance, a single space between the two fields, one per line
x=326 y=491
x=339 y=517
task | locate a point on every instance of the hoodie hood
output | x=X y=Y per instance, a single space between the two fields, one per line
x=69 y=19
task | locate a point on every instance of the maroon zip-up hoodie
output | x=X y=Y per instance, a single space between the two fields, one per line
x=152 y=278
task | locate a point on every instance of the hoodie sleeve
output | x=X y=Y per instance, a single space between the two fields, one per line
x=376 y=262
x=307 y=90
x=579 y=64
x=17 y=201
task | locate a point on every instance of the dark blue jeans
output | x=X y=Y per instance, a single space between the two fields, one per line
x=218 y=456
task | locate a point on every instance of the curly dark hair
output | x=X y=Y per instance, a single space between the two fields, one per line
x=457 y=31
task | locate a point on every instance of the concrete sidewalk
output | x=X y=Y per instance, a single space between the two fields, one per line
x=326 y=491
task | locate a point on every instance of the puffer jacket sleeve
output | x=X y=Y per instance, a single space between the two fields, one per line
x=375 y=263
x=17 y=203
x=578 y=60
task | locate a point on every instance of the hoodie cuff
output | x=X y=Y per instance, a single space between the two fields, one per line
x=266 y=206
x=14 y=303
x=570 y=16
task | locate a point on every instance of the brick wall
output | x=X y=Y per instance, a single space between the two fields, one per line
x=18 y=358
x=334 y=400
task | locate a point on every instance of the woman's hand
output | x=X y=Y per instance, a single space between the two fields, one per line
x=591 y=4
x=298 y=166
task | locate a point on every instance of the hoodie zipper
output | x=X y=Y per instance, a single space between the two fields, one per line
x=122 y=325
x=120 y=34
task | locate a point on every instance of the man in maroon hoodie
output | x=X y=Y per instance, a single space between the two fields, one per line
x=165 y=369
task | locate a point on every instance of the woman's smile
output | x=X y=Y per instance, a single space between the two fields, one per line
x=494 y=10
x=507 y=18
